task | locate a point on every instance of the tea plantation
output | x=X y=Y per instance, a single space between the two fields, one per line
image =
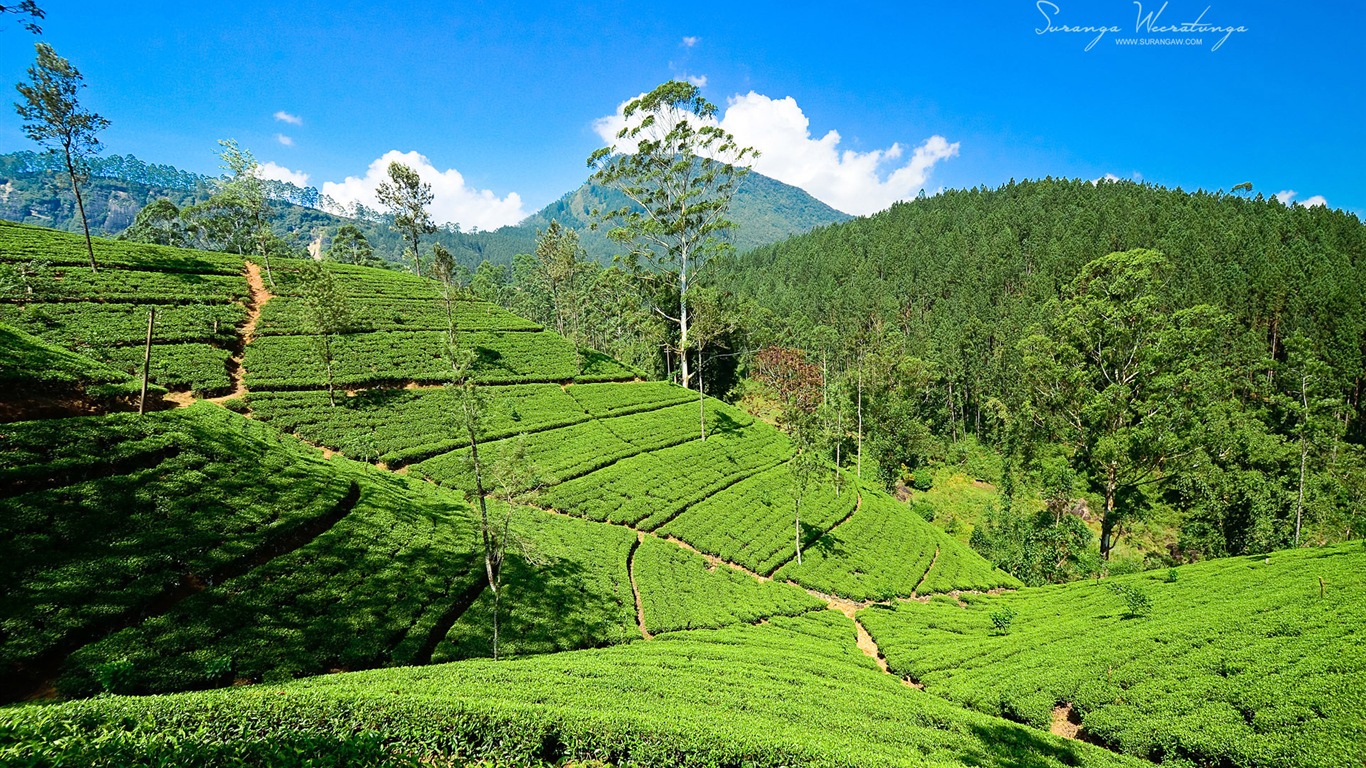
x=251 y=575
x=1241 y=661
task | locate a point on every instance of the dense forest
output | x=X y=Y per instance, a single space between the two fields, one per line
x=1214 y=375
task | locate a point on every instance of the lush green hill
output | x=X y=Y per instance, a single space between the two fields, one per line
x=202 y=548
x=946 y=312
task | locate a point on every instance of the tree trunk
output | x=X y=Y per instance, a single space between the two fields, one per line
x=147 y=359
x=701 y=398
x=331 y=396
x=497 y=600
x=683 y=317
x=1304 y=453
x=1107 y=522
x=859 y=473
x=417 y=263
x=797 y=524
x=80 y=205
x=839 y=443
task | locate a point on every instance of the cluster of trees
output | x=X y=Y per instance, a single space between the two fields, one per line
x=1208 y=369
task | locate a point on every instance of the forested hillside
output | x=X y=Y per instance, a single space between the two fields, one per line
x=1209 y=374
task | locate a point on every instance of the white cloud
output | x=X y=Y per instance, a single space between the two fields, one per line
x=690 y=41
x=286 y=117
x=272 y=170
x=1107 y=177
x=852 y=181
x=285 y=140
x=698 y=80
x=453 y=202
x=1287 y=197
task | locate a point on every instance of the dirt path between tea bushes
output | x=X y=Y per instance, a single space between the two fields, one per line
x=259 y=296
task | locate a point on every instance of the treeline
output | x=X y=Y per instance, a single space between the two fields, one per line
x=993 y=318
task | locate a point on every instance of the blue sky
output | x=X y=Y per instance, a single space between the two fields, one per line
x=505 y=98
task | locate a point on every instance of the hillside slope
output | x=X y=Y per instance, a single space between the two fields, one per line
x=1241 y=661
x=199 y=548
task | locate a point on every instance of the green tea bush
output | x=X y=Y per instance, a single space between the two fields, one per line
x=1002 y=619
x=651 y=488
x=680 y=590
x=1239 y=663
x=794 y=691
x=751 y=522
x=565 y=587
x=1136 y=601
x=880 y=553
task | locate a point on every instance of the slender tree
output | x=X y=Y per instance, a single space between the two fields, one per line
x=447 y=276
x=561 y=263
x=327 y=314
x=407 y=196
x=55 y=119
x=240 y=208
x=515 y=481
x=679 y=171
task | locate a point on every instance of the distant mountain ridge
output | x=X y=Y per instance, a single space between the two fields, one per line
x=765 y=210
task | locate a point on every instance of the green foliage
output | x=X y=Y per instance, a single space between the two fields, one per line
x=680 y=590
x=565 y=587
x=1037 y=548
x=160 y=223
x=1001 y=619
x=368 y=590
x=55 y=119
x=750 y=522
x=32 y=366
x=922 y=479
x=349 y=246
x=407 y=196
x=649 y=489
x=932 y=302
x=22 y=243
x=403 y=426
x=792 y=692
x=882 y=552
x=1135 y=600
x=287 y=316
x=568 y=452
x=1233 y=665
x=107 y=514
x=198 y=367
x=396 y=357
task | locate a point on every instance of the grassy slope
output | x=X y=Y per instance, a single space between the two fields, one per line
x=792 y=692
x=1238 y=661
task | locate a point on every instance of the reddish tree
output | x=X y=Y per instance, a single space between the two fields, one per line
x=785 y=371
